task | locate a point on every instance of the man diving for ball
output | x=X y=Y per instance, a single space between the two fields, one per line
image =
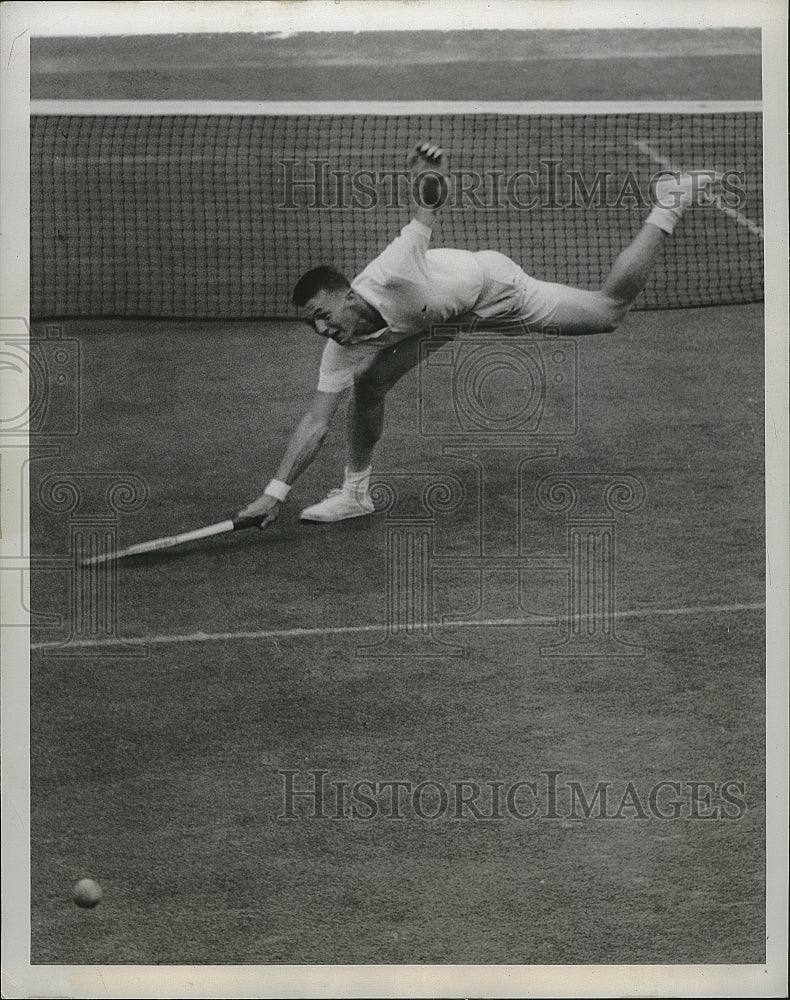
x=375 y=324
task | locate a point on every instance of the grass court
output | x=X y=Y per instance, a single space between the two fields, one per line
x=158 y=775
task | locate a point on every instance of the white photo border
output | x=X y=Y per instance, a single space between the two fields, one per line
x=19 y=22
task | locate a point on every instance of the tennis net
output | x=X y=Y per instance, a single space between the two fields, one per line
x=217 y=215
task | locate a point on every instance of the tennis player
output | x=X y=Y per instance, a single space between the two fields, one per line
x=374 y=325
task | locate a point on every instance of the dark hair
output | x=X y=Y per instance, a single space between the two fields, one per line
x=323 y=278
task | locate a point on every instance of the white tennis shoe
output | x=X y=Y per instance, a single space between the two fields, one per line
x=672 y=194
x=339 y=505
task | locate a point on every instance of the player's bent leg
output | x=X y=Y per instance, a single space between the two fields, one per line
x=365 y=423
x=366 y=409
x=578 y=312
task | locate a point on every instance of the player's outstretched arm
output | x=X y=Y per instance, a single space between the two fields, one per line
x=427 y=164
x=304 y=445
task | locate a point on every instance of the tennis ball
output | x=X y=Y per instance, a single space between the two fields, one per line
x=86 y=893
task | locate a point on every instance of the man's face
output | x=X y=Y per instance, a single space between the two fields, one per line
x=337 y=315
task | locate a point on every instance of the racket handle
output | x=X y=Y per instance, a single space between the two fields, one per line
x=246 y=522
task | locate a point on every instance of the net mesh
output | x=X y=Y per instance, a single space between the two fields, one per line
x=217 y=216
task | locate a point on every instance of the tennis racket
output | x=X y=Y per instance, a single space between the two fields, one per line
x=170 y=541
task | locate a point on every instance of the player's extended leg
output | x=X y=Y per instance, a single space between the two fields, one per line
x=365 y=423
x=579 y=312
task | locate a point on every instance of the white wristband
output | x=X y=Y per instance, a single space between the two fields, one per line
x=277 y=489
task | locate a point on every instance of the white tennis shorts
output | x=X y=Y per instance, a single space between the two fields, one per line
x=509 y=295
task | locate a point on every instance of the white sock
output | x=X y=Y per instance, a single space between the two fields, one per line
x=665 y=218
x=682 y=190
x=357 y=482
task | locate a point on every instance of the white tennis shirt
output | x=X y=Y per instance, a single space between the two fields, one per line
x=414 y=288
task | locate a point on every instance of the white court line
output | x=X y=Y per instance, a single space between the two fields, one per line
x=733 y=213
x=68 y=107
x=297 y=633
